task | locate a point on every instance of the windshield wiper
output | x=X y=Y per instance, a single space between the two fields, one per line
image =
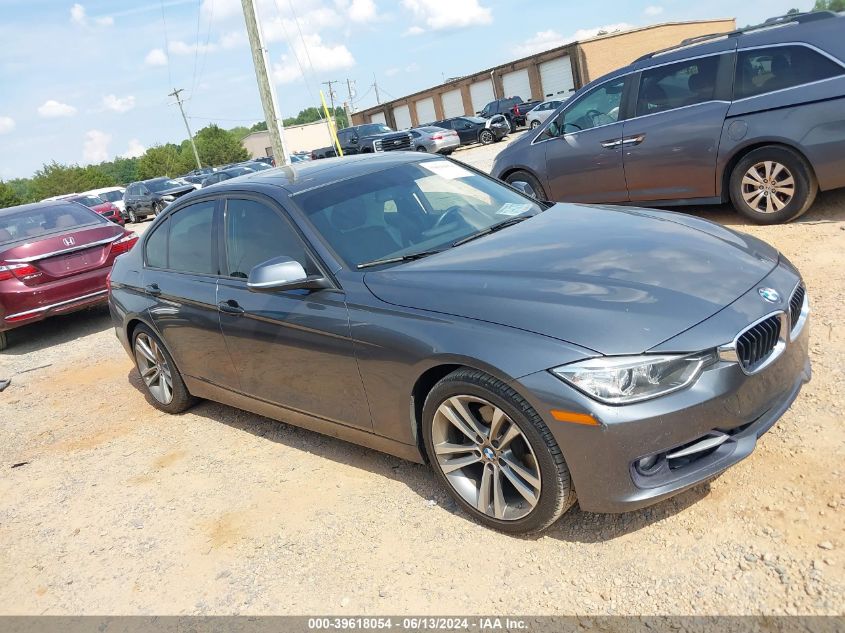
x=399 y=258
x=492 y=229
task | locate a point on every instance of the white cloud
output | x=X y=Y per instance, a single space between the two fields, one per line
x=232 y=39
x=119 y=104
x=7 y=124
x=436 y=15
x=392 y=71
x=323 y=57
x=653 y=10
x=546 y=40
x=156 y=57
x=415 y=30
x=134 y=150
x=182 y=48
x=52 y=109
x=96 y=146
x=80 y=17
x=361 y=11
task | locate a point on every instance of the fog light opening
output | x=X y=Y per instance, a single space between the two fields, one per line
x=648 y=465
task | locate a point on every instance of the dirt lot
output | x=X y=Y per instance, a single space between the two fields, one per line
x=119 y=509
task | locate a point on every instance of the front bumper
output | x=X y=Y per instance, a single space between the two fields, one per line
x=602 y=458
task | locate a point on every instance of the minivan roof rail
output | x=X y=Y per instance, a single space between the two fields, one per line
x=781 y=20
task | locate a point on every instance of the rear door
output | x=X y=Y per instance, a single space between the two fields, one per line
x=292 y=348
x=583 y=148
x=465 y=129
x=180 y=275
x=671 y=142
x=144 y=201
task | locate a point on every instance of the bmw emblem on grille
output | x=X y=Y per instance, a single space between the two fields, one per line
x=769 y=294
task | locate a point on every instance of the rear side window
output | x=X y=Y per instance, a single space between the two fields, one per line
x=677 y=85
x=157 y=246
x=763 y=70
x=183 y=241
x=38 y=221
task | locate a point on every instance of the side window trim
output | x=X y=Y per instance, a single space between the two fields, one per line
x=215 y=231
x=280 y=211
x=164 y=225
x=721 y=76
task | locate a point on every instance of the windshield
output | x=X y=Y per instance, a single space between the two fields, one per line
x=373 y=128
x=38 y=221
x=112 y=196
x=409 y=208
x=475 y=119
x=88 y=201
x=161 y=185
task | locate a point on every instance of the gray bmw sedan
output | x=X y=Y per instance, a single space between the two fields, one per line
x=528 y=351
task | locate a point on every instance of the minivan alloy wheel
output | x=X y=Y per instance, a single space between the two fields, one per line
x=768 y=186
x=154 y=368
x=485 y=457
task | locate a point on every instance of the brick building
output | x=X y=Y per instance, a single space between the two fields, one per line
x=554 y=73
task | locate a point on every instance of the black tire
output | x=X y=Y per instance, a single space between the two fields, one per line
x=133 y=219
x=422 y=149
x=181 y=400
x=4 y=341
x=804 y=191
x=556 y=492
x=157 y=208
x=524 y=176
x=485 y=137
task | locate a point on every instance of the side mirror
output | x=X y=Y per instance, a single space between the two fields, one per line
x=283 y=273
x=554 y=129
x=524 y=188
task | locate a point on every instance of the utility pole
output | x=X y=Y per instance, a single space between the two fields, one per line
x=375 y=85
x=175 y=93
x=350 y=92
x=265 y=89
x=331 y=92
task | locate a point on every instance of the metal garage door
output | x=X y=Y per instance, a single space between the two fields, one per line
x=425 y=111
x=402 y=116
x=556 y=77
x=517 y=84
x=482 y=94
x=453 y=104
x=378 y=117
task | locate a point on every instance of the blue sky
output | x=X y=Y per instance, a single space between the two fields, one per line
x=84 y=82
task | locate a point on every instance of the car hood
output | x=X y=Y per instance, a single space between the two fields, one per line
x=176 y=191
x=616 y=281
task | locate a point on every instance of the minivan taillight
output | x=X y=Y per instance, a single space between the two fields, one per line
x=124 y=244
x=24 y=272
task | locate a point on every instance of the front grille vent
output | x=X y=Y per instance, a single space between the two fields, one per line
x=796 y=302
x=755 y=345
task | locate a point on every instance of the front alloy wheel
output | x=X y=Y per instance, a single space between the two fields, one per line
x=133 y=219
x=486 y=137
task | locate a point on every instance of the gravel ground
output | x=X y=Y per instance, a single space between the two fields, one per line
x=110 y=507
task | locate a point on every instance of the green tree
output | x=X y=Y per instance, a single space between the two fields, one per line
x=160 y=160
x=54 y=179
x=22 y=188
x=792 y=12
x=259 y=127
x=8 y=197
x=829 y=5
x=217 y=147
x=121 y=170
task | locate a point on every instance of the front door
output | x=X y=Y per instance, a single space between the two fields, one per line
x=583 y=148
x=291 y=348
x=180 y=274
x=671 y=142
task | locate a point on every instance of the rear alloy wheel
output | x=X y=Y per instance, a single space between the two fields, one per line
x=527 y=183
x=495 y=454
x=486 y=137
x=133 y=219
x=162 y=380
x=772 y=185
x=422 y=149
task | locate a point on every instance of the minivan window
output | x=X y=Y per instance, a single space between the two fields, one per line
x=763 y=70
x=598 y=107
x=255 y=233
x=677 y=85
x=189 y=247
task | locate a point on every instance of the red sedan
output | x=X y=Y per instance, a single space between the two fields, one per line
x=97 y=204
x=55 y=257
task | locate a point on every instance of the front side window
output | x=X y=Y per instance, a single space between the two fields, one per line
x=189 y=247
x=409 y=208
x=763 y=70
x=256 y=233
x=598 y=107
x=677 y=85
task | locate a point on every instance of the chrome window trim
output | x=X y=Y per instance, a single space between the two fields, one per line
x=728 y=353
x=795 y=87
x=56 y=305
x=838 y=62
x=798 y=326
x=64 y=251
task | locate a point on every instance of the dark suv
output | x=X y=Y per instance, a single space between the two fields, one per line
x=149 y=197
x=756 y=116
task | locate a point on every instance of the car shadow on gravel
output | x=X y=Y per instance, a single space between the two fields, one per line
x=575 y=526
x=57 y=330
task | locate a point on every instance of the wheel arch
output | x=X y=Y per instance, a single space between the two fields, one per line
x=743 y=151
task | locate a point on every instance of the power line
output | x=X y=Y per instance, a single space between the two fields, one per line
x=196 y=47
x=166 y=45
x=207 y=40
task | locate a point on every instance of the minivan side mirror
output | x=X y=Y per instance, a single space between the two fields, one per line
x=283 y=273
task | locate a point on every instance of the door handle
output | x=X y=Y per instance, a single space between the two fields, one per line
x=230 y=307
x=153 y=289
x=633 y=140
x=611 y=144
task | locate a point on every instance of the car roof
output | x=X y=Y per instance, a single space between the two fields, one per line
x=299 y=177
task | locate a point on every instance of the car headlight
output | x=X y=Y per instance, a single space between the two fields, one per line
x=168 y=198
x=626 y=379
